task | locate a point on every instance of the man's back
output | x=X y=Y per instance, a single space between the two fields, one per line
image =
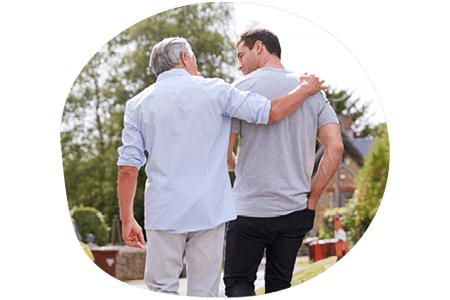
x=275 y=162
x=182 y=122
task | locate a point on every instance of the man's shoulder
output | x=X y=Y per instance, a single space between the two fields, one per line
x=183 y=84
x=319 y=97
x=268 y=82
x=137 y=99
x=208 y=81
x=207 y=84
x=243 y=79
x=265 y=75
x=250 y=77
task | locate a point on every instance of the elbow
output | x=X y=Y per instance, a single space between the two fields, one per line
x=338 y=150
x=274 y=114
x=126 y=172
x=335 y=151
x=273 y=117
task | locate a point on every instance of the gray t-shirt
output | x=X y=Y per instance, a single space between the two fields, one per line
x=275 y=162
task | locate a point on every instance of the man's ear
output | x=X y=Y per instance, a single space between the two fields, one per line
x=259 y=47
x=184 y=59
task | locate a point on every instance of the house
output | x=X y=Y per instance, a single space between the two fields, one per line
x=342 y=186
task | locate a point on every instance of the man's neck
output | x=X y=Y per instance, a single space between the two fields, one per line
x=271 y=61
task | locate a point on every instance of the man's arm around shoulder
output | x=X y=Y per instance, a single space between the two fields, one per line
x=283 y=106
x=330 y=136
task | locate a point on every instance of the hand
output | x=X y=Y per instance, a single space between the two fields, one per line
x=132 y=234
x=231 y=162
x=313 y=84
x=311 y=204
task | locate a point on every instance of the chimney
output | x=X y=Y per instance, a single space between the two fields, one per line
x=346 y=124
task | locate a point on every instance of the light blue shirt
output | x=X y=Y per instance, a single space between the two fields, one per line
x=183 y=122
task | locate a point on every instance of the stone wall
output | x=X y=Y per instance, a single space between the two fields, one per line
x=129 y=263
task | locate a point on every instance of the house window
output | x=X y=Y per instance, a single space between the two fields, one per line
x=346 y=196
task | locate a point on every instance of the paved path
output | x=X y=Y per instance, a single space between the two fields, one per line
x=259 y=283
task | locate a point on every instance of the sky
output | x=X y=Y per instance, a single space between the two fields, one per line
x=307 y=47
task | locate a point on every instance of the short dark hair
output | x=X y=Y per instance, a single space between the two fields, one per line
x=268 y=39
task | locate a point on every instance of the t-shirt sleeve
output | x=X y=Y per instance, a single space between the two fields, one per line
x=236 y=125
x=326 y=112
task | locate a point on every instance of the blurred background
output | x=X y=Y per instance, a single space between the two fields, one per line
x=92 y=119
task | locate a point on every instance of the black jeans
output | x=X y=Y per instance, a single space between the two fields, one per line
x=246 y=240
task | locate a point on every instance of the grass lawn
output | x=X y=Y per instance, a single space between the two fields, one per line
x=309 y=271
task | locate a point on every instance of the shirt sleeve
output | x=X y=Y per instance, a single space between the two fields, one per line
x=247 y=106
x=131 y=153
x=326 y=113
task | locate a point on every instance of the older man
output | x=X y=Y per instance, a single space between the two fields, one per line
x=274 y=199
x=183 y=123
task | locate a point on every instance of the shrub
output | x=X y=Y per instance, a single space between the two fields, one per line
x=90 y=221
x=370 y=186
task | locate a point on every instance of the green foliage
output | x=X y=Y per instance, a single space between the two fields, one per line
x=90 y=221
x=92 y=120
x=308 y=272
x=343 y=104
x=312 y=270
x=370 y=186
x=327 y=231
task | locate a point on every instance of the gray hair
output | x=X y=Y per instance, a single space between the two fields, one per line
x=167 y=53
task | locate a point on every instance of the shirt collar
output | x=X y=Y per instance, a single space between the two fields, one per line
x=172 y=73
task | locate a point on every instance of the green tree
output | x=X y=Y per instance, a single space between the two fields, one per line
x=92 y=120
x=370 y=186
x=343 y=104
x=371 y=182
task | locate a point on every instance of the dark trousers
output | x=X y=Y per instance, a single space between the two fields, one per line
x=247 y=238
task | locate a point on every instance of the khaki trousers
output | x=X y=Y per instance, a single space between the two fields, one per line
x=204 y=254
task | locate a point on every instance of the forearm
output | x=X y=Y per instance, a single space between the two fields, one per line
x=231 y=158
x=283 y=106
x=327 y=168
x=126 y=188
